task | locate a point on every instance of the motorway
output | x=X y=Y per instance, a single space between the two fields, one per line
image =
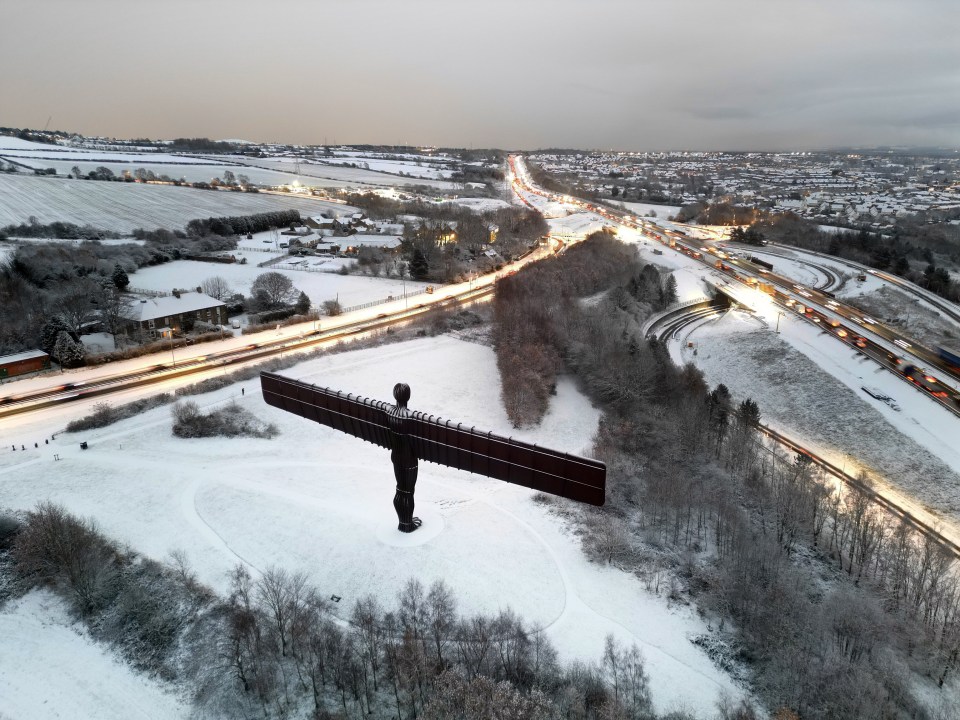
x=668 y=326
x=903 y=356
x=832 y=317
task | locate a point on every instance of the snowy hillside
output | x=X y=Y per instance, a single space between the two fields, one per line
x=315 y=500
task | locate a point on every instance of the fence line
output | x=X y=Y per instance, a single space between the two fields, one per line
x=150 y=293
x=256 y=249
x=374 y=303
x=272 y=261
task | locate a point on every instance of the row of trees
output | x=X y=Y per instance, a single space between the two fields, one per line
x=914 y=251
x=275 y=648
x=242 y=224
x=61 y=230
x=834 y=605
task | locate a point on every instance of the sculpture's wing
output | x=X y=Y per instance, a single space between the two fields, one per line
x=520 y=463
x=361 y=417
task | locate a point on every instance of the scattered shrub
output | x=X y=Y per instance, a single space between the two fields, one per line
x=104 y=414
x=228 y=421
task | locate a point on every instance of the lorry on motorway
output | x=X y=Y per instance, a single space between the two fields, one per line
x=949 y=356
x=762 y=263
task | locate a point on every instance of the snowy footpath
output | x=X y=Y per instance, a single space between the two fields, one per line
x=316 y=500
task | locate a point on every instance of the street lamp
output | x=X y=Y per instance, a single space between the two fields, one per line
x=172 y=357
x=779 y=315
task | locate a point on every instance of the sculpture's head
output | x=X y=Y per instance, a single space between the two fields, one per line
x=401 y=393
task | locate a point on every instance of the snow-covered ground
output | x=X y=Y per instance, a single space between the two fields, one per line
x=322 y=285
x=17 y=149
x=51 y=670
x=644 y=209
x=339 y=176
x=124 y=207
x=317 y=500
x=480 y=205
x=431 y=171
x=785 y=263
x=576 y=226
x=809 y=386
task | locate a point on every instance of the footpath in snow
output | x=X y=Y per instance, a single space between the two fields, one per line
x=316 y=500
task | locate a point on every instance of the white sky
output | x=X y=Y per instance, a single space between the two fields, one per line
x=687 y=74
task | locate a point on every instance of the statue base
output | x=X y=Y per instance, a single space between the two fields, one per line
x=432 y=525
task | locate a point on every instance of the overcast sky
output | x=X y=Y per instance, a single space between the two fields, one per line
x=634 y=75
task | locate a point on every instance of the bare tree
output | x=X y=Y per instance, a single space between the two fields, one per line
x=216 y=287
x=275 y=590
x=273 y=290
x=74 y=303
x=114 y=309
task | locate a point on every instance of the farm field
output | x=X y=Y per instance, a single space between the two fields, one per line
x=313 y=173
x=191 y=172
x=325 y=284
x=16 y=149
x=432 y=171
x=125 y=206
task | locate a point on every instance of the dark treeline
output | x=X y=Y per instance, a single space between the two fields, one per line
x=910 y=251
x=57 y=229
x=200 y=145
x=647 y=189
x=834 y=609
x=242 y=224
x=275 y=649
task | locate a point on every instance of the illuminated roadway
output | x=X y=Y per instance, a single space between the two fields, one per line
x=672 y=322
x=903 y=356
x=93 y=382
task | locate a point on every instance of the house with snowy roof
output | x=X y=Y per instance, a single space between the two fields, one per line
x=158 y=316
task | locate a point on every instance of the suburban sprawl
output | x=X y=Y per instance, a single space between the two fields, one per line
x=737 y=375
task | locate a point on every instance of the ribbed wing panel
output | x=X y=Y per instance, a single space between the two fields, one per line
x=443 y=442
x=357 y=416
x=484 y=453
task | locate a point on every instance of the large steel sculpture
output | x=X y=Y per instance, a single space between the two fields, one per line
x=411 y=436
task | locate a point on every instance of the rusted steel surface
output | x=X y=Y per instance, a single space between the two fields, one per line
x=443 y=441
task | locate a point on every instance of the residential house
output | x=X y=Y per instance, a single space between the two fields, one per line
x=158 y=316
x=353 y=243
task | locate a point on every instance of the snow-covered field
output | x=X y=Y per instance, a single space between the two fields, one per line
x=576 y=226
x=480 y=205
x=51 y=670
x=320 y=286
x=338 y=176
x=125 y=206
x=430 y=171
x=316 y=500
x=195 y=172
x=644 y=209
x=17 y=149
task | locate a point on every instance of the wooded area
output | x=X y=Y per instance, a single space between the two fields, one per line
x=829 y=606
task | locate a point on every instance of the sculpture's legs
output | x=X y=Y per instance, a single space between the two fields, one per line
x=403 y=503
x=403 y=500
